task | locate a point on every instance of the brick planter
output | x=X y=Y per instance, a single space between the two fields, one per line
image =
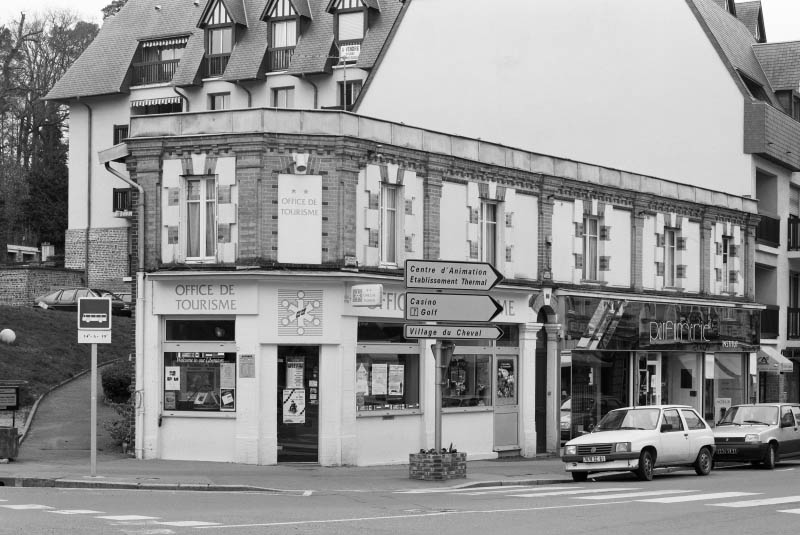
x=437 y=466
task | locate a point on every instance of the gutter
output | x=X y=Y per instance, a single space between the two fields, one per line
x=88 y=188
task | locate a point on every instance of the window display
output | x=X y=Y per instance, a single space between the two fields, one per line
x=468 y=381
x=387 y=381
x=199 y=381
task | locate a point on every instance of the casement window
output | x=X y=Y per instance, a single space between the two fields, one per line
x=283 y=32
x=669 y=257
x=389 y=223
x=348 y=93
x=219 y=101
x=591 y=250
x=726 y=263
x=283 y=97
x=487 y=226
x=201 y=218
x=156 y=61
x=219 y=40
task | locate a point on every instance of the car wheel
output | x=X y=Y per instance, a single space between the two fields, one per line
x=580 y=477
x=772 y=457
x=645 y=470
x=703 y=463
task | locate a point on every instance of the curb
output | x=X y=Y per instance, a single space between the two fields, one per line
x=120 y=485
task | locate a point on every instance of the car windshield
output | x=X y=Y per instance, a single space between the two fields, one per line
x=629 y=419
x=743 y=415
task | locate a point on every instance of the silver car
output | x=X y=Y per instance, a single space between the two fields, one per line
x=761 y=433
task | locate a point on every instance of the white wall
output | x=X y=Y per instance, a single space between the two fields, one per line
x=526 y=236
x=619 y=247
x=631 y=85
x=453 y=222
x=563 y=260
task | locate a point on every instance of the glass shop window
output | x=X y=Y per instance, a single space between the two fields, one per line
x=468 y=381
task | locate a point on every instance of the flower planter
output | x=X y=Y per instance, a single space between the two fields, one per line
x=9 y=443
x=437 y=466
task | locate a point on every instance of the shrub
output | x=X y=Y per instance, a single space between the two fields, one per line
x=116 y=380
x=121 y=429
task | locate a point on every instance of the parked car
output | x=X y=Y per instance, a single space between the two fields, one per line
x=579 y=414
x=640 y=439
x=761 y=433
x=119 y=306
x=67 y=299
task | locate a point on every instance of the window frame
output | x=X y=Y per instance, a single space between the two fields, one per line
x=727 y=241
x=591 y=256
x=213 y=102
x=390 y=238
x=203 y=201
x=276 y=92
x=386 y=348
x=670 y=256
x=489 y=239
x=353 y=88
x=218 y=22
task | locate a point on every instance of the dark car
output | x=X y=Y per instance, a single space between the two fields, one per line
x=119 y=306
x=67 y=299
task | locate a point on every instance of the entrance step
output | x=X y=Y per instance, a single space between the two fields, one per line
x=509 y=452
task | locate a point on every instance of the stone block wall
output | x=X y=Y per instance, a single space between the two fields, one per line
x=20 y=285
x=109 y=255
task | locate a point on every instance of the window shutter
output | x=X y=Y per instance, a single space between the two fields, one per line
x=224 y=233
x=733 y=277
x=718 y=274
x=578 y=261
x=733 y=251
x=659 y=269
x=719 y=247
x=374 y=237
x=173 y=196
x=660 y=240
x=680 y=244
x=605 y=233
x=579 y=229
x=473 y=215
x=351 y=26
x=509 y=219
x=680 y=271
x=374 y=200
x=410 y=244
x=605 y=263
x=509 y=255
x=409 y=206
x=172 y=235
x=473 y=250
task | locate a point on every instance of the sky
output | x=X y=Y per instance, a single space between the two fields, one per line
x=782 y=17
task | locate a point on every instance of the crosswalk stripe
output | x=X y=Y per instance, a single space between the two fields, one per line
x=795 y=511
x=27 y=506
x=128 y=517
x=756 y=503
x=513 y=488
x=569 y=492
x=188 y=523
x=632 y=494
x=698 y=497
x=455 y=489
x=76 y=512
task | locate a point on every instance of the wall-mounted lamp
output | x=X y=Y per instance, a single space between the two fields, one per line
x=300 y=163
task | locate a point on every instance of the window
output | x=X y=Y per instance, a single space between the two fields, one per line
x=755 y=88
x=468 y=382
x=787 y=418
x=591 y=236
x=488 y=232
x=350 y=22
x=283 y=97
x=219 y=40
x=120 y=133
x=348 y=93
x=670 y=243
x=201 y=228
x=389 y=196
x=726 y=263
x=156 y=61
x=672 y=420
x=693 y=420
x=283 y=29
x=219 y=101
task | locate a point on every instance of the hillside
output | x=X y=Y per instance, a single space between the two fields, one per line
x=46 y=350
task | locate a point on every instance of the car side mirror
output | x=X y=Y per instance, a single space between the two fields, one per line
x=787 y=421
x=665 y=428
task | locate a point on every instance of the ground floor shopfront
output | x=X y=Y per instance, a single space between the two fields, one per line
x=263 y=368
x=621 y=352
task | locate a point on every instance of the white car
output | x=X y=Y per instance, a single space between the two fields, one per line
x=640 y=439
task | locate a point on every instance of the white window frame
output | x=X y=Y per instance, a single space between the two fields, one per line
x=489 y=239
x=206 y=200
x=390 y=213
x=591 y=256
x=727 y=241
x=670 y=246
x=219 y=101
x=283 y=33
x=281 y=97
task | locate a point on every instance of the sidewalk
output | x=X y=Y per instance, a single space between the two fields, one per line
x=56 y=453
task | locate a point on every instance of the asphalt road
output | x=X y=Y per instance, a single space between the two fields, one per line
x=730 y=500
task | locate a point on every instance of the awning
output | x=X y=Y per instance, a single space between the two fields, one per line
x=173 y=41
x=155 y=101
x=770 y=360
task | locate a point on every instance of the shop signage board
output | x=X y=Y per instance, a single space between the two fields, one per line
x=9 y=398
x=453 y=332
x=451 y=307
x=443 y=275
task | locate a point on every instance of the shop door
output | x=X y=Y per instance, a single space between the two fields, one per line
x=298 y=404
x=506 y=406
x=649 y=380
x=540 y=409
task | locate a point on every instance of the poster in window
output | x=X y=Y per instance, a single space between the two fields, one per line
x=294 y=406
x=362 y=379
x=396 y=375
x=199 y=380
x=505 y=379
x=170 y=400
x=379 y=377
x=227 y=398
x=227 y=375
x=295 y=369
x=172 y=377
x=247 y=366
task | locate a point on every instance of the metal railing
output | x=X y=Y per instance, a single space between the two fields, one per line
x=794 y=233
x=122 y=200
x=769 y=231
x=280 y=58
x=215 y=65
x=793 y=324
x=154 y=72
x=770 y=322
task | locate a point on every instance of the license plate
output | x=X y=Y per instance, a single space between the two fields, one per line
x=595 y=459
x=726 y=451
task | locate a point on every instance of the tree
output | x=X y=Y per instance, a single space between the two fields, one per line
x=113 y=8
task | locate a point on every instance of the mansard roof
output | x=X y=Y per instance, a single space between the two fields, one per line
x=781 y=64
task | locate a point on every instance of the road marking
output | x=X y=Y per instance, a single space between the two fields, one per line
x=512 y=488
x=123 y=518
x=756 y=503
x=795 y=511
x=308 y=492
x=570 y=492
x=698 y=497
x=76 y=512
x=632 y=494
x=27 y=506
x=188 y=523
x=148 y=532
x=422 y=515
x=459 y=489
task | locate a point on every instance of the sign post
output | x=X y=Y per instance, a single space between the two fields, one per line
x=94 y=327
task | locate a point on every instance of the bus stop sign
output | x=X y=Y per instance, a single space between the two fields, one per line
x=94 y=313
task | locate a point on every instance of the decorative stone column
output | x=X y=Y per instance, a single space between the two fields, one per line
x=553 y=398
x=527 y=402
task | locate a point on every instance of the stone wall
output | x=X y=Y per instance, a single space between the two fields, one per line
x=20 y=285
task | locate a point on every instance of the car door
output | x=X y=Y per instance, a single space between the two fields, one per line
x=790 y=430
x=699 y=433
x=674 y=439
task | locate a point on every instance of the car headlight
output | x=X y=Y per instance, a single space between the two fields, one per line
x=570 y=450
x=752 y=437
x=622 y=447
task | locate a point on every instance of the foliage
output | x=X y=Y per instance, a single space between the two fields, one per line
x=113 y=8
x=116 y=380
x=46 y=351
x=121 y=429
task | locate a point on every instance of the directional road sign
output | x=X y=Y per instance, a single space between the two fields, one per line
x=450 y=307
x=453 y=332
x=443 y=275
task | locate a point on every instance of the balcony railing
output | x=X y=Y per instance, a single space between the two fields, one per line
x=794 y=233
x=769 y=231
x=279 y=58
x=215 y=65
x=154 y=73
x=122 y=206
x=770 y=324
x=793 y=324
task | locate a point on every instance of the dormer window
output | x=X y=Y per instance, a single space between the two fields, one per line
x=219 y=39
x=157 y=60
x=755 y=88
x=283 y=30
x=351 y=25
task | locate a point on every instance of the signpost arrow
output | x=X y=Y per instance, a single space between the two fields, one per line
x=444 y=275
x=450 y=307
x=453 y=332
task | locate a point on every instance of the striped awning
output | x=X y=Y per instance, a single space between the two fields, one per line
x=171 y=41
x=155 y=101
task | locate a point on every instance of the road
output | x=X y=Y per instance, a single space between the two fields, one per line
x=731 y=500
